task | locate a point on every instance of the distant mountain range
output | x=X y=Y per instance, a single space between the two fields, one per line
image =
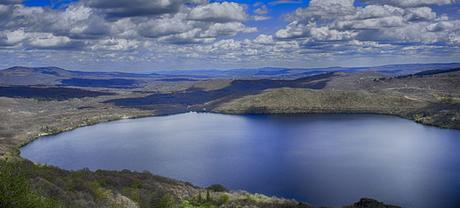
x=396 y=69
x=55 y=76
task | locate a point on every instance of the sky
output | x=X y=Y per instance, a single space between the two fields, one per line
x=149 y=35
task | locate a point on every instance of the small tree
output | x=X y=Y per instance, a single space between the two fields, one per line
x=208 y=196
x=166 y=201
x=217 y=188
x=200 y=198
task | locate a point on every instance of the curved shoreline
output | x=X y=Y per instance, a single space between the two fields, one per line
x=218 y=112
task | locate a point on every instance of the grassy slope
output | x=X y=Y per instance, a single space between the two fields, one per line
x=23 y=184
x=292 y=100
x=432 y=100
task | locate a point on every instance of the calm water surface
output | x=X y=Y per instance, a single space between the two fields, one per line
x=321 y=159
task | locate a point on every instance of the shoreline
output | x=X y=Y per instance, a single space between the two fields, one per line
x=15 y=153
x=341 y=113
x=17 y=149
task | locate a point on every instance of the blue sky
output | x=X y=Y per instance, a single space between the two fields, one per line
x=48 y=3
x=148 y=35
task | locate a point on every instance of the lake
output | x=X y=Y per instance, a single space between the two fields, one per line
x=320 y=159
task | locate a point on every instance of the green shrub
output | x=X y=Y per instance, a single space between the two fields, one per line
x=223 y=199
x=208 y=196
x=166 y=201
x=15 y=189
x=217 y=188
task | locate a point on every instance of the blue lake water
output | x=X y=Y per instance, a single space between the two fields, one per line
x=320 y=159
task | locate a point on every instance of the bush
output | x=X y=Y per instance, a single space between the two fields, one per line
x=223 y=199
x=15 y=189
x=166 y=201
x=217 y=188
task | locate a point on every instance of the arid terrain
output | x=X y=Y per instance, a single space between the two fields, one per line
x=41 y=101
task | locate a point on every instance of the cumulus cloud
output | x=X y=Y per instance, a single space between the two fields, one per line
x=325 y=9
x=113 y=44
x=411 y=3
x=262 y=10
x=395 y=21
x=336 y=28
x=132 y=8
x=264 y=39
x=227 y=29
x=106 y=22
x=260 y=18
x=193 y=33
x=218 y=12
x=11 y=38
x=154 y=28
x=46 y=40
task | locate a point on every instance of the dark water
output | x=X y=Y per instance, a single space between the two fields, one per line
x=321 y=159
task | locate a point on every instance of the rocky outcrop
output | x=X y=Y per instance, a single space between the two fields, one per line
x=370 y=203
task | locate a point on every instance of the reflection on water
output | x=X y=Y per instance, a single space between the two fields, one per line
x=321 y=159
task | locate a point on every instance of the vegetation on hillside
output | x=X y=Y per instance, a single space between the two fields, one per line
x=25 y=185
x=16 y=191
x=432 y=99
x=290 y=100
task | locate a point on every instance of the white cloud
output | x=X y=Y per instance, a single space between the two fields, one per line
x=331 y=3
x=165 y=26
x=47 y=40
x=11 y=38
x=227 y=29
x=261 y=18
x=379 y=23
x=376 y=11
x=420 y=13
x=102 y=22
x=219 y=12
x=411 y=3
x=327 y=34
x=327 y=8
x=134 y=8
x=195 y=33
x=372 y=23
x=440 y=26
x=264 y=39
x=262 y=10
x=116 y=44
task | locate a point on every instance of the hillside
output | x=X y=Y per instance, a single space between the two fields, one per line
x=430 y=99
x=295 y=100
